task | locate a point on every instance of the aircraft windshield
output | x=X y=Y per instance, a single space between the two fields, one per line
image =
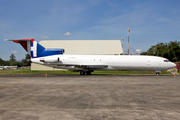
x=166 y=60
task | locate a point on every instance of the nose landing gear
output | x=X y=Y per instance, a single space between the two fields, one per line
x=157 y=73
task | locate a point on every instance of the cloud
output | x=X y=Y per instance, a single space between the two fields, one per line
x=138 y=50
x=45 y=37
x=14 y=52
x=68 y=33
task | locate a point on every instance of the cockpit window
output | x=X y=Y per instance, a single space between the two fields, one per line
x=166 y=60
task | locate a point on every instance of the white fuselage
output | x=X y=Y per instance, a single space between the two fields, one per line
x=106 y=62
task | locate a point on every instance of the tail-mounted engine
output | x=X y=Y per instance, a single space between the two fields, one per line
x=50 y=60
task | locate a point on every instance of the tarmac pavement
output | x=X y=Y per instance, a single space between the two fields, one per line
x=90 y=97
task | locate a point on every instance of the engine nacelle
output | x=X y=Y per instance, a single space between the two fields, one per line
x=50 y=60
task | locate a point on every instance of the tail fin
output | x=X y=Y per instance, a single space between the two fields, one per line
x=35 y=49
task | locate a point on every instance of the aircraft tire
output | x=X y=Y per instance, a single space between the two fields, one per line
x=82 y=73
x=157 y=73
x=88 y=73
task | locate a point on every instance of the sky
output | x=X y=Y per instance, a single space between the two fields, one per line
x=150 y=22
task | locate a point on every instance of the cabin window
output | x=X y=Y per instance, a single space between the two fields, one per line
x=166 y=60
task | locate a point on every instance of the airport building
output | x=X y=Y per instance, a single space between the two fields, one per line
x=81 y=47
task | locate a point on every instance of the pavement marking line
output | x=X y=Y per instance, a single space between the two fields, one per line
x=12 y=83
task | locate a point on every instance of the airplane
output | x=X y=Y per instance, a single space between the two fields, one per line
x=88 y=63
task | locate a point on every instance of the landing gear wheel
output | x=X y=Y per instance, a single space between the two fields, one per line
x=88 y=73
x=157 y=73
x=82 y=73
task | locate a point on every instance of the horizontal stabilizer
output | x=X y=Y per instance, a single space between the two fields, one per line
x=20 y=40
x=16 y=40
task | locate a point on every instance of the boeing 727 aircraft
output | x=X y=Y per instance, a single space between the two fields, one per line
x=88 y=63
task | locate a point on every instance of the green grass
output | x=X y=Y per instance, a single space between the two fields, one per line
x=28 y=71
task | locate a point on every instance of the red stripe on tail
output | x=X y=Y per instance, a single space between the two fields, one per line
x=24 y=43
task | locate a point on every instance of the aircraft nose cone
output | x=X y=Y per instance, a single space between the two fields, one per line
x=173 y=65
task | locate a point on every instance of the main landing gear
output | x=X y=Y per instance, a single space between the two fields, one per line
x=85 y=72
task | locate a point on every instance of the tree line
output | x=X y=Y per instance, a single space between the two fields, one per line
x=169 y=50
x=12 y=61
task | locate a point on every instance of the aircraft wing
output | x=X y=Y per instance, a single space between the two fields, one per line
x=88 y=66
